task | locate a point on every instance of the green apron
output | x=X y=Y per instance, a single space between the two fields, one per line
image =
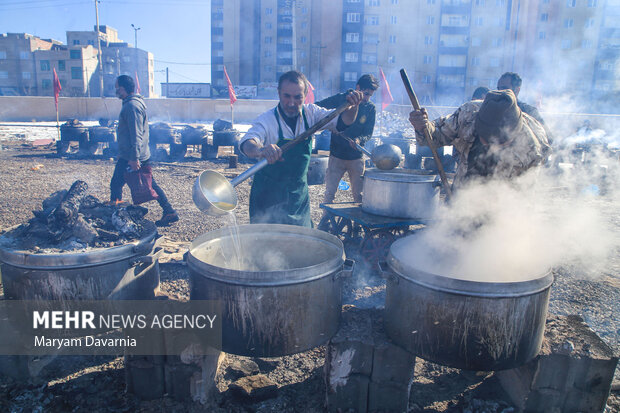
x=279 y=193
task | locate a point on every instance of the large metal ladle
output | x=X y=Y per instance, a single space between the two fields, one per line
x=385 y=157
x=214 y=195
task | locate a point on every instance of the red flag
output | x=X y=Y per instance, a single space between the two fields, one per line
x=310 y=95
x=386 y=96
x=57 y=89
x=231 y=89
x=137 y=83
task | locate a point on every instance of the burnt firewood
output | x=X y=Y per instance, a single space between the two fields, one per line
x=83 y=231
x=89 y=201
x=67 y=211
x=54 y=200
x=106 y=235
x=137 y=212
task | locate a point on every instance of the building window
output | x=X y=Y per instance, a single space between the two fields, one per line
x=589 y=23
x=500 y=3
x=371 y=20
x=268 y=39
x=76 y=42
x=571 y=3
x=497 y=42
x=371 y=38
x=61 y=65
x=46 y=83
x=373 y=3
x=475 y=61
x=542 y=35
x=350 y=76
x=393 y=20
x=75 y=54
x=479 y=3
x=430 y=20
x=428 y=59
x=351 y=57
x=392 y=39
x=369 y=59
x=426 y=79
x=304 y=39
x=428 y=40
x=268 y=10
x=494 y=62
x=25 y=75
x=24 y=55
x=479 y=21
x=394 y=1
x=568 y=23
x=592 y=3
x=91 y=42
x=76 y=72
x=268 y=26
x=304 y=25
x=4 y=74
x=353 y=1
x=2 y=54
x=45 y=65
x=268 y=53
x=391 y=59
x=430 y=1
x=352 y=37
x=268 y=68
x=304 y=10
x=475 y=41
x=302 y=54
x=586 y=44
x=566 y=43
x=353 y=17
x=544 y=17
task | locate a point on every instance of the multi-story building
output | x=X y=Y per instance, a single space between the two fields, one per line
x=27 y=63
x=18 y=75
x=448 y=47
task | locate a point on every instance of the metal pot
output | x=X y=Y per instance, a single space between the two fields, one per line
x=317 y=169
x=285 y=299
x=463 y=324
x=400 y=194
x=129 y=271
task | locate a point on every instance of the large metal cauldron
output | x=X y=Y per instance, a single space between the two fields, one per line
x=400 y=193
x=464 y=324
x=129 y=272
x=287 y=296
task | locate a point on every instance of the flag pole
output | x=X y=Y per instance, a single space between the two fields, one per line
x=232 y=111
x=57 y=123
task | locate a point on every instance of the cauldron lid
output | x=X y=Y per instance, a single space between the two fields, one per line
x=404 y=175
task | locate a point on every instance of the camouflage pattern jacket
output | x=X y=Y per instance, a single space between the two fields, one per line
x=527 y=147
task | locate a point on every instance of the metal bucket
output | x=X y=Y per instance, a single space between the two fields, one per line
x=317 y=169
x=285 y=299
x=463 y=324
x=125 y=272
x=400 y=194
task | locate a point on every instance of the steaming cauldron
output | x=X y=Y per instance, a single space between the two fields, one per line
x=285 y=299
x=464 y=324
x=129 y=272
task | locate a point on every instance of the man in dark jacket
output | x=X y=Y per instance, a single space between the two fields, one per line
x=133 y=146
x=343 y=155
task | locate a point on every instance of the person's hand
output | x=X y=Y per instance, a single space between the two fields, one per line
x=354 y=97
x=134 y=165
x=353 y=142
x=419 y=120
x=271 y=153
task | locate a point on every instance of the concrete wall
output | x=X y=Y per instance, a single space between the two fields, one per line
x=41 y=108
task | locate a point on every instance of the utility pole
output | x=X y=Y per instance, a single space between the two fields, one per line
x=135 y=48
x=99 y=51
x=167 y=85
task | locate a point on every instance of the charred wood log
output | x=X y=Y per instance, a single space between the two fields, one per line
x=66 y=212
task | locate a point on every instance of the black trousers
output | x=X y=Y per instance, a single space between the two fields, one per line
x=118 y=181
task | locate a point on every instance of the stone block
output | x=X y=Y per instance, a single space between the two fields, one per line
x=144 y=377
x=573 y=372
x=351 y=394
x=392 y=364
x=387 y=396
x=192 y=378
x=257 y=387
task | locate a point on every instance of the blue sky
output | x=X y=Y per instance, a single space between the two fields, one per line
x=177 y=32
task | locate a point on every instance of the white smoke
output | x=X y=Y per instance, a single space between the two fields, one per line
x=501 y=231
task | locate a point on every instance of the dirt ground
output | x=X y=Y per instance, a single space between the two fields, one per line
x=97 y=384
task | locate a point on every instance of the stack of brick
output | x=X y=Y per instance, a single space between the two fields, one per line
x=573 y=372
x=364 y=370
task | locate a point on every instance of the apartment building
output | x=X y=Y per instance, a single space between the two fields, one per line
x=448 y=47
x=27 y=63
x=18 y=75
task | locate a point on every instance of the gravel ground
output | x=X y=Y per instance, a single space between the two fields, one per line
x=29 y=174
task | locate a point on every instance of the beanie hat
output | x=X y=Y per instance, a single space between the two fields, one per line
x=498 y=116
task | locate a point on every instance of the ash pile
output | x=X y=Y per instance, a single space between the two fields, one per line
x=73 y=220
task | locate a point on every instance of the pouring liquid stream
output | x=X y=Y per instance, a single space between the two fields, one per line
x=235 y=261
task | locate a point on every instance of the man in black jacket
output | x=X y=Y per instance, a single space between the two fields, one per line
x=343 y=155
x=133 y=146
